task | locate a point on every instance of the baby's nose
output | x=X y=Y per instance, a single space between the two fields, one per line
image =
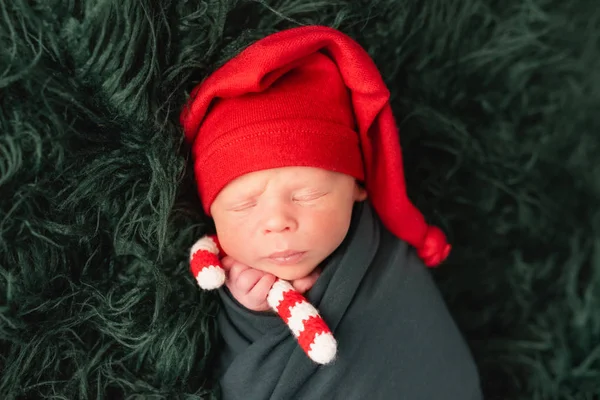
x=278 y=220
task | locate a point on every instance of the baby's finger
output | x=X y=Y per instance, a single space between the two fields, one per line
x=227 y=262
x=260 y=291
x=235 y=270
x=248 y=278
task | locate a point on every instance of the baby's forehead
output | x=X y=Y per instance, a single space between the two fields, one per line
x=299 y=174
x=289 y=177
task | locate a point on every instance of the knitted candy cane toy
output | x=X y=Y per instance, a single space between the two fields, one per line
x=309 y=328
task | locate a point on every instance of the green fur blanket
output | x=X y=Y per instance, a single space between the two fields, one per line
x=498 y=104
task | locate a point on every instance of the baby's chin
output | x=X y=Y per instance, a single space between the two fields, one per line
x=289 y=272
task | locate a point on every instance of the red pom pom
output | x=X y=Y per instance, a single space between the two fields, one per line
x=435 y=248
x=203 y=259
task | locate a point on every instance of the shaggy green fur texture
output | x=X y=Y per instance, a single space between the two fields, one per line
x=499 y=108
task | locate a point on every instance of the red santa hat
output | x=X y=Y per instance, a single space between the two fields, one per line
x=307 y=96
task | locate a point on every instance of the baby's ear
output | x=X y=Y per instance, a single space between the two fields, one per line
x=360 y=193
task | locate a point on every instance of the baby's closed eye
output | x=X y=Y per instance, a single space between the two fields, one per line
x=309 y=195
x=243 y=206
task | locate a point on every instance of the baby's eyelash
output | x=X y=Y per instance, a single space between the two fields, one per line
x=244 y=206
x=309 y=197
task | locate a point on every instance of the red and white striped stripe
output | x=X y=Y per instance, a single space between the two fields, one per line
x=205 y=263
x=303 y=319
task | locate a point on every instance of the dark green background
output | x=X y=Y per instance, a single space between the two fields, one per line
x=498 y=103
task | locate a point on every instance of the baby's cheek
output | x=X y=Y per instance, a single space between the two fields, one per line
x=330 y=225
x=231 y=241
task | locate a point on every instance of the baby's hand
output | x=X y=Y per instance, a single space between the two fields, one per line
x=250 y=286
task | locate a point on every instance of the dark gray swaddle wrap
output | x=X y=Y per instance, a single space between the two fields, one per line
x=396 y=338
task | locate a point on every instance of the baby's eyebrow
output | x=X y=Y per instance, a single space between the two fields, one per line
x=242 y=197
x=245 y=195
x=311 y=188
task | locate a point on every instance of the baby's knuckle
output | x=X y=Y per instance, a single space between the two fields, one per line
x=257 y=295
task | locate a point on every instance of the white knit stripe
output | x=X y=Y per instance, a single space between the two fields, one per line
x=211 y=277
x=275 y=295
x=205 y=243
x=323 y=348
x=300 y=313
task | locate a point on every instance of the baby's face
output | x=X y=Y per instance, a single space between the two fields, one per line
x=301 y=210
